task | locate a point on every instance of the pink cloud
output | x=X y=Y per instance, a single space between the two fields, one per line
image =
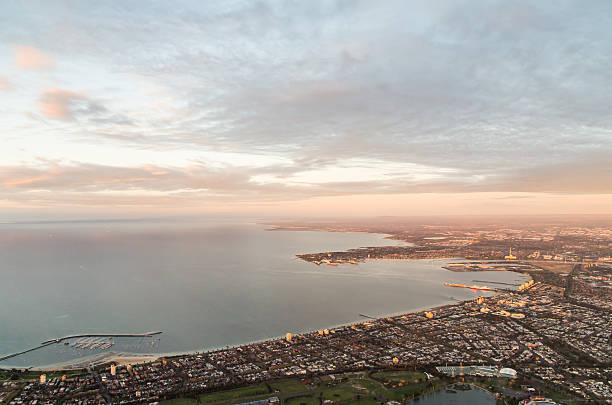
x=56 y=103
x=5 y=85
x=30 y=58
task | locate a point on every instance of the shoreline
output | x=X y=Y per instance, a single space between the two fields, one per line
x=144 y=358
x=124 y=358
x=102 y=358
x=388 y=236
x=120 y=359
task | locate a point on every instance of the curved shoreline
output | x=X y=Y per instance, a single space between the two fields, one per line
x=116 y=356
x=141 y=358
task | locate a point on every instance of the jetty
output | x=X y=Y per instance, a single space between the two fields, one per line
x=9 y=356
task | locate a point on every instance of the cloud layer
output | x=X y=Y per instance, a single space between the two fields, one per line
x=284 y=101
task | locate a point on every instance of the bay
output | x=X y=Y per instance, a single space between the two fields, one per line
x=205 y=285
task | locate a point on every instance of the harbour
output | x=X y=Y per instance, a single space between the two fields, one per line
x=91 y=342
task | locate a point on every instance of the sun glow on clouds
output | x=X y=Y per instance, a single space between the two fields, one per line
x=264 y=104
x=359 y=170
x=31 y=58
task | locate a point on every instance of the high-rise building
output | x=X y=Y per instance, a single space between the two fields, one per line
x=113 y=369
x=288 y=337
x=43 y=378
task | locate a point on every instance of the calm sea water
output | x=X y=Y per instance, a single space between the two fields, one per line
x=205 y=285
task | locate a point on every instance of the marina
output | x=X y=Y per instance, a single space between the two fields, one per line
x=91 y=342
x=109 y=335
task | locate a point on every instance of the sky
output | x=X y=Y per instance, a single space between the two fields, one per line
x=305 y=108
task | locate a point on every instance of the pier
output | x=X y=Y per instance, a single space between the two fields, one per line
x=10 y=356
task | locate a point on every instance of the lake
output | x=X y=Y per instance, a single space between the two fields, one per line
x=474 y=396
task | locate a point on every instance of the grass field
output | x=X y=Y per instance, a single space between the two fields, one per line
x=408 y=377
x=288 y=386
x=364 y=401
x=35 y=375
x=303 y=401
x=359 y=390
x=399 y=394
x=339 y=394
x=555 y=267
x=234 y=394
x=180 y=401
x=370 y=385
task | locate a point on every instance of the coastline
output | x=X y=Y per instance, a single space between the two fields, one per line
x=389 y=236
x=124 y=358
x=144 y=358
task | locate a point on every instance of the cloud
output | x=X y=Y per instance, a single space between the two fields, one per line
x=58 y=104
x=78 y=182
x=30 y=58
x=5 y=85
x=96 y=178
x=589 y=175
x=488 y=96
x=67 y=105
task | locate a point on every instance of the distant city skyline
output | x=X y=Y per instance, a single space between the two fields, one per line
x=318 y=108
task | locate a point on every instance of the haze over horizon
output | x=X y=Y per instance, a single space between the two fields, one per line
x=305 y=108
